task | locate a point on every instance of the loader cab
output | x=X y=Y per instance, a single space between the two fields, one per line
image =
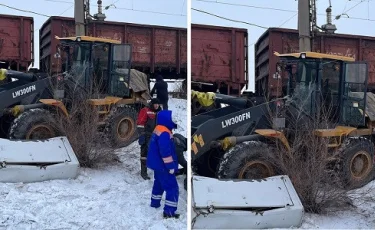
x=327 y=86
x=98 y=64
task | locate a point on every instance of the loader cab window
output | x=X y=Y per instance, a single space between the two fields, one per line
x=354 y=93
x=81 y=63
x=305 y=87
x=120 y=70
x=330 y=89
x=100 y=57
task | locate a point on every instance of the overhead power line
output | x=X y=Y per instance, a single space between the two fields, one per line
x=71 y=6
x=112 y=6
x=26 y=11
x=149 y=11
x=285 y=22
x=346 y=12
x=248 y=6
x=283 y=10
x=232 y=20
x=60 y=1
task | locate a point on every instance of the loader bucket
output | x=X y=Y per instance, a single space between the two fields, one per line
x=245 y=204
x=36 y=161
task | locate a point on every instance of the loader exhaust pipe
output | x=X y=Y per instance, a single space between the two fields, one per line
x=231 y=141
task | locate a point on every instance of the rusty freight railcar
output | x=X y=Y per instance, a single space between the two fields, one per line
x=219 y=56
x=362 y=48
x=16 y=42
x=156 y=49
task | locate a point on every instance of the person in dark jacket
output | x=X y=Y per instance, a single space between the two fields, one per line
x=181 y=146
x=161 y=88
x=162 y=159
x=146 y=124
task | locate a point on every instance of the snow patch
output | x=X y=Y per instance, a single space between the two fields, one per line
x=115 y=197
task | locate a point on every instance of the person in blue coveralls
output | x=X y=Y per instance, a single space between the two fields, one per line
x=162 y=158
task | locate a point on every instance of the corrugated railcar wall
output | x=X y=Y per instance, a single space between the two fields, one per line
x=219 y=56
x=49 y=61
x=155 y=49
x=361 y=48
x=16 y=42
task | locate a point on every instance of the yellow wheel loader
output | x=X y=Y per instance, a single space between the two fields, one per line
x=95 y=69
x=237 y=141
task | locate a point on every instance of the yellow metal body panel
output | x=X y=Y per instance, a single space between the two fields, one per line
x=104 y=101
x=205 y=99
x=90 y=39
x=56 y=103
x=317 y=56
x=336 y=132
x=275 y=134
x=3 y=74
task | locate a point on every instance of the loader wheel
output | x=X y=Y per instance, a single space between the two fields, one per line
x=36 y=124
x=357 y=162
x=253 y=160
x=121 y=127
x=207 y=165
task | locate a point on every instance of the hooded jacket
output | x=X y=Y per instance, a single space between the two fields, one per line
x=161 y=88
x=161 y=154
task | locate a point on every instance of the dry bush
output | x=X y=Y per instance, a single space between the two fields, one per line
x=181 y=91
x=81 y=128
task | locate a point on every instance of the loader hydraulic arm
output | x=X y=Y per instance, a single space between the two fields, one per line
x=209 y=127
x=25 y=77
x=207 y=99
x=12 y=94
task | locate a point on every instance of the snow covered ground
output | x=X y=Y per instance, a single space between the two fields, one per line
x=114 y=197
x=173 y=85
x=360 y=217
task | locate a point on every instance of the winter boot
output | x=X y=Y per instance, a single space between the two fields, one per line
x=167 y=216
x=144 y=171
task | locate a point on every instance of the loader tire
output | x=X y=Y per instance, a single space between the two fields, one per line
x=35 y=124
x=357 y=162
x=252 y=160
x=121 y=128
x=208 y=163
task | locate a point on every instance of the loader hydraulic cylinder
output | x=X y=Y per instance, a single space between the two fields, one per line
x=232 y=101
x=5 y=73
x=231 y=141
x=16 y=110
x=207 y=99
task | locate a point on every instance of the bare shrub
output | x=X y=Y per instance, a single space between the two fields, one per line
x=81 y=128
x=181 y=90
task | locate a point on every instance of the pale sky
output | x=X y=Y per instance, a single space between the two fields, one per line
x=65 y=8
x=275 y=18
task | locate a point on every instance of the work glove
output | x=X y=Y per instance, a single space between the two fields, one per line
x=142 y=139
x=141 y=130
x=171 y=171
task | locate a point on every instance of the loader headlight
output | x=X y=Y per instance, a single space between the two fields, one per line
x=78 y=39
x=303 y=55
x=355 y=104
